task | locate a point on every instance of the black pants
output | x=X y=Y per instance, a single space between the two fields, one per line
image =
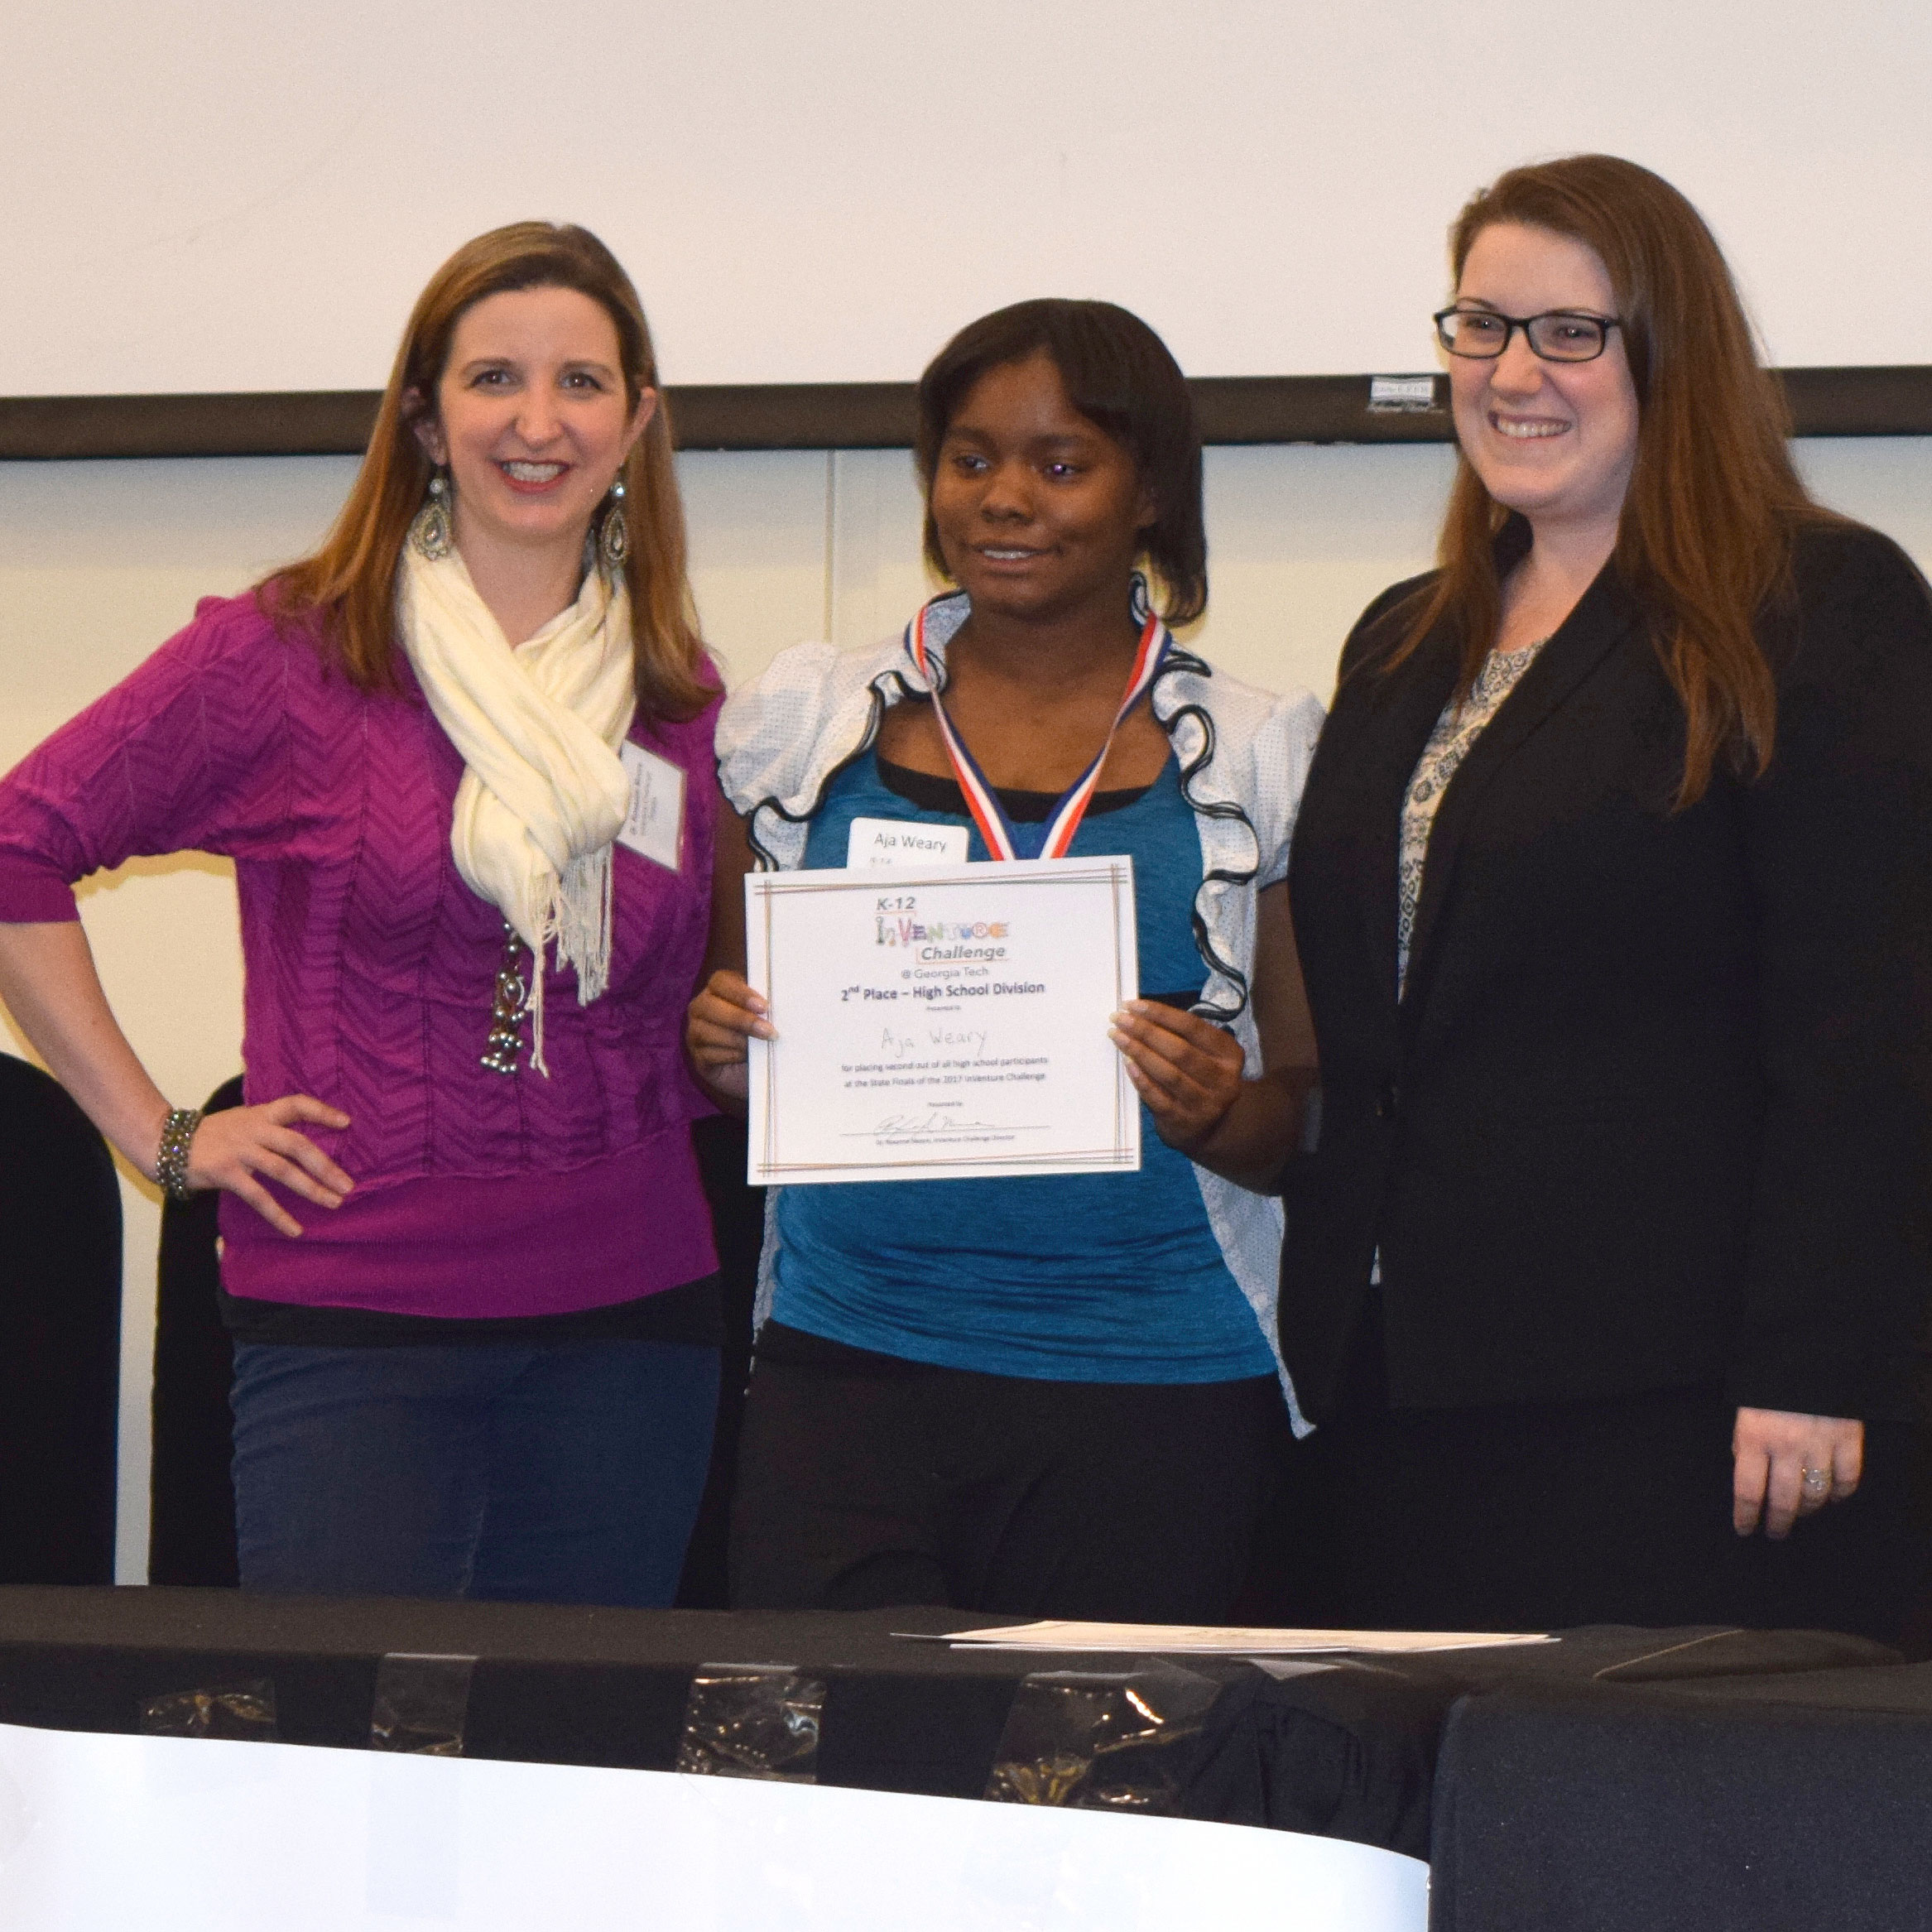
x=866 y=1480
x=1548 y=1515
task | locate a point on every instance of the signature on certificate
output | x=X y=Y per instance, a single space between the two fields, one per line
x=913 y=1125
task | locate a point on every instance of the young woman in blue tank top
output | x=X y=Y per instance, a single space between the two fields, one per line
x=1053 y=1396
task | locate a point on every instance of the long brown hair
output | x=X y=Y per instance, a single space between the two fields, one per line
x=1714 y=502
x=349 y=584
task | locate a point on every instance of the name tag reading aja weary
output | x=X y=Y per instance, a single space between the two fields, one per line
x=903 y=842
x=653 y=823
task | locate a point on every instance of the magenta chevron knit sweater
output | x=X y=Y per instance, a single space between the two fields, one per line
x=370 y=966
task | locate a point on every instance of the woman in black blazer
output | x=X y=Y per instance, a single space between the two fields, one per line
x=1612 y=884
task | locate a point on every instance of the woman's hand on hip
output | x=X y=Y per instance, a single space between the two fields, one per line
x=1785 y=1466
x=238 y=1148
x=722 y=1019
x=1187 y=1070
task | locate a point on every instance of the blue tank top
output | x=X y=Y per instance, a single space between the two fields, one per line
x=1111 y=1277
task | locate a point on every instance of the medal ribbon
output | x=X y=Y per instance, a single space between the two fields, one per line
x=982 y=801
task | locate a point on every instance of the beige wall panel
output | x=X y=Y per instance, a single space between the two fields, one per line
x=1299 y=538
x=878 y=573
x=1884 y=481
x=758 y=524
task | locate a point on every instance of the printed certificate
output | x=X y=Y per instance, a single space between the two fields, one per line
x=942 y=1022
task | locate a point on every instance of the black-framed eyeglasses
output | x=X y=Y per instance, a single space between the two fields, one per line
x=1557 y=335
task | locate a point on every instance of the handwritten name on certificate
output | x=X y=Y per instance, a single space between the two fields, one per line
x=946 y=1022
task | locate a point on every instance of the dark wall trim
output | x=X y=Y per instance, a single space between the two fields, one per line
x=1861 y=402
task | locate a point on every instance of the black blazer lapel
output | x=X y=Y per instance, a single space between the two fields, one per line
x=1403 y=713
x=1604 y=616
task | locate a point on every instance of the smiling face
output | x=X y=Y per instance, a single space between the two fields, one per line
x=1038 y=511
x=532 y=419
x=1555 y=441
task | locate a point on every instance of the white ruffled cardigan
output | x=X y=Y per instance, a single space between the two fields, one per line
x=1243 y=755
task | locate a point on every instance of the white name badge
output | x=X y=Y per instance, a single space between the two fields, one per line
x=654 y=825
x=902 y=842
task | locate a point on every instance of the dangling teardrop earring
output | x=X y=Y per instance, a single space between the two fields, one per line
x=430 y=532
x=614 y=538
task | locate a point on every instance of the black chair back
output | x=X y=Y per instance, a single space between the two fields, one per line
x=737 y=1218
x=191 y=1523
x=59 y=1335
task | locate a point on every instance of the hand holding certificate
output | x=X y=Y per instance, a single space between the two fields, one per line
x=944 y=1022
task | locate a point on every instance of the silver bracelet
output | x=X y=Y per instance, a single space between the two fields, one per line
x=170 y=1164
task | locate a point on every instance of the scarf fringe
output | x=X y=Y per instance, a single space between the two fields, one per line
x=577 y=926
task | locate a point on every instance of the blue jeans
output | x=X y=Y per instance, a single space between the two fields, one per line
x=565 y=1474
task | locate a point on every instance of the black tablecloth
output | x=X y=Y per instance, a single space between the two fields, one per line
x=1746 y=1804
x=1348 y=1750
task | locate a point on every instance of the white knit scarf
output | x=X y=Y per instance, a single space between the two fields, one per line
x=538 y=723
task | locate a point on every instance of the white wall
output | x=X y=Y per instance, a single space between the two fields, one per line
x=100 y=561
x=227 y=195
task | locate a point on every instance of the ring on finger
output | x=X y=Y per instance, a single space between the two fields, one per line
x=1816 y=1483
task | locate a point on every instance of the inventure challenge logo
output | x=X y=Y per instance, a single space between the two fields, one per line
x=936 y=941
x=919 y=932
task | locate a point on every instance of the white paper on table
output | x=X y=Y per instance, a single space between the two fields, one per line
x=1209 y=1639
x=101 y=1833
x=942 y=1022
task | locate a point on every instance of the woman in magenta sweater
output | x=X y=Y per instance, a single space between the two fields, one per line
x=461 y=759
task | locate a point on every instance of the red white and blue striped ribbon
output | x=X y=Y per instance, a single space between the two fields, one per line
x=982 y=801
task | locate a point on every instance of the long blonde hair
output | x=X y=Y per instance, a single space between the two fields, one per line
x=1714 y=502
x=349 y=583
